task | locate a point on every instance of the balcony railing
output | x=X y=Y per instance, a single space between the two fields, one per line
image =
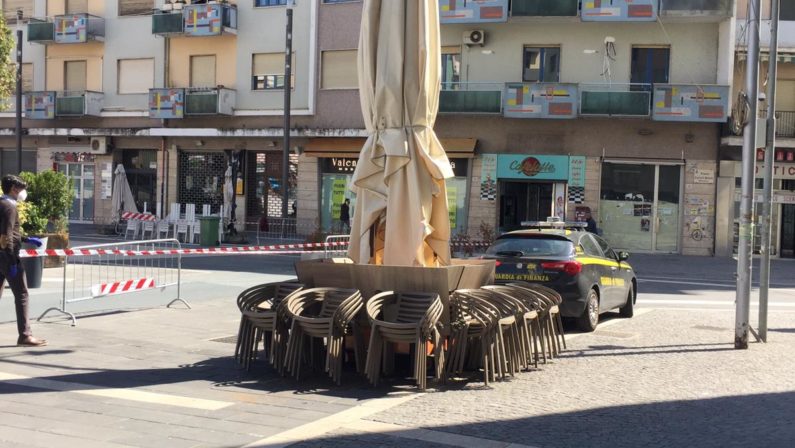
x=39 y=105
x=41 y=31
x=78 y=104
x=482 y=11
x=620 y=11
x=197 y=20
x=167 y=104
x=692 y=103
x=545 y=8
x=167 y=22
x=471 y=97
x=691 y=8
x=785 y=124
x=209 y=101
x=615 y=100
x=541 y=100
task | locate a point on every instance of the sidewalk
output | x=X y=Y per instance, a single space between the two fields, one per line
x=165 y=377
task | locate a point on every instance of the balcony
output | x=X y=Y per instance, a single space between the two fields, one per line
x=541 y=100
x=615 y=100
x=785 y=124
x=619 y=10
x=697 y=8
x=167 y=104
x=545 y=8
x=691 y=103
x=41 y=31
x=39 y=105
x=210 y=101
x=78 y=104
x=471 y=98
x=164 y=23
x=481 y=11
x=210 y=20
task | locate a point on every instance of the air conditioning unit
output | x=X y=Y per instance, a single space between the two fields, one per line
x=475 y=37
x=98 y=145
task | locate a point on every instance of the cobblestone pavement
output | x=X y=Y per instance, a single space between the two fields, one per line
x=665 y=378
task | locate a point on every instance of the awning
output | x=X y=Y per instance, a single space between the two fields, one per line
x=456 y=148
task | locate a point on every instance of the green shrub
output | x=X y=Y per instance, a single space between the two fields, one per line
x=51 y=193
x=31 y=219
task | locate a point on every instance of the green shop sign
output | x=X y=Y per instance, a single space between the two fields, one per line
x=529 y=167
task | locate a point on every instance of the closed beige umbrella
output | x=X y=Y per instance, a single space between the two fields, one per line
x=401 y=214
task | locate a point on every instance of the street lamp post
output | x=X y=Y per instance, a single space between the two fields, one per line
x=288 y=70
x=18 y=127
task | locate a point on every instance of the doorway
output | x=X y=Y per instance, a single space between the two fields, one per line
x=640 y=206
x=524 y=201
x=787 y=228
x=82 y=177
x=650 y=65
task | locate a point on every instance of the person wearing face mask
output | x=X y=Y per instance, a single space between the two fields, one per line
x=10 y=267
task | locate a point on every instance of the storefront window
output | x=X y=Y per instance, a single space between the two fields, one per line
x=202 y=175
x=141 y=169
x=456 y=203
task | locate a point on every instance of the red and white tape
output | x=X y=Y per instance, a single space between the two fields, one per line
x=254 y=250
x=138 y=216
x=109 y=289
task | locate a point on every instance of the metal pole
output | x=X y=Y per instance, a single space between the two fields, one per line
x=19 y=92
x=288 y=71
x=745 y=247
x=767 y=202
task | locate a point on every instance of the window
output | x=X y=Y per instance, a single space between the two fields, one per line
x=75 y=76
x=589 y=246
x=136 y=7
x=267 y=71
x=10 y=8
x=135 y=76
x=451 y=67
x=270 y=2
x=787 y=11
x=541 y=64
x=521 y=246
x=649 y=66
x=339 y=70
x=76 y=6
x=202 y=71
x=27 y=77
x=605 y=248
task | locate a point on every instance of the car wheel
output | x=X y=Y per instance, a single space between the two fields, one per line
x=628 y=310
x=590 y=317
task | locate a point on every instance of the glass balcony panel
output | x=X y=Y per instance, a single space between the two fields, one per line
x=473 y=98
x=689 y=8
x=615 y=100
x=167 y=23
x=545 y=8
x=41 y=31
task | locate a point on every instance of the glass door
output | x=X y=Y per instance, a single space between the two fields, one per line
x=82 y=177
x=640 y=206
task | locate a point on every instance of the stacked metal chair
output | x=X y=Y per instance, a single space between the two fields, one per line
x=326 y=314
x=548 y=301
x=411 y=318
x=527 y=320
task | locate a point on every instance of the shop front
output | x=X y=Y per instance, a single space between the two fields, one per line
x=80 y=168
x=640 y=205
x=336 y=175
x=528 y=187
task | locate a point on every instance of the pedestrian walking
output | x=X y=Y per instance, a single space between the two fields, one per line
x=345 y=215
x=11 y=270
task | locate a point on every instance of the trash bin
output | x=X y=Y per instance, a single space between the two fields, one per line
x=34 y=266
x=208 y=230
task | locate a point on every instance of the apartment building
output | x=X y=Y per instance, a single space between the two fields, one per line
x=783 y=216
x=548 y=107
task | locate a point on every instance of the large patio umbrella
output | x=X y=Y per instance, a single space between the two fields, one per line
x=122 y=198
x=401 y=214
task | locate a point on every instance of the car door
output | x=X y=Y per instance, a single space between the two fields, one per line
x=601 y=267
x=617 y=295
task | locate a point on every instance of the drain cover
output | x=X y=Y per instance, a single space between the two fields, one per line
x=226 y=339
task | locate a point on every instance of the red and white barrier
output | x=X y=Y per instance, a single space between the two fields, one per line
x=138 y=216
x=254 y=250
x=109 y=289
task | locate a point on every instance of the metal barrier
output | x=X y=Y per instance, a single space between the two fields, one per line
x=337 y=251
x=285 y=229
x=91 y=277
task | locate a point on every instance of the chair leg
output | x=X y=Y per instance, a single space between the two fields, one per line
x=561 y=332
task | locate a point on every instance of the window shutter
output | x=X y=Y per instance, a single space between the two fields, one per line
x=75 y=76
x=202 y=71
x=10 y=8
x=339 y=70
x=136 y=75
x=76 y=6
x=135 y=7
x=27 y=77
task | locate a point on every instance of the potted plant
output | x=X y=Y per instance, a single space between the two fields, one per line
x=32 y=223
x=51 y=193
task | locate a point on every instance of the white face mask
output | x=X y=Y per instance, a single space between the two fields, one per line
x=22 y=195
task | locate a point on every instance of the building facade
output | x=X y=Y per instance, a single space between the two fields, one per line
x=549 y=107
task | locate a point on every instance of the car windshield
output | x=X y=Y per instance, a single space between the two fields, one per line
x=532 y=247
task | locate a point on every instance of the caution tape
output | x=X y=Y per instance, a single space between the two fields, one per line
x=290 y=249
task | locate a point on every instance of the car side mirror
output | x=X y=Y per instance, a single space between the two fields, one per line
x=623 y=256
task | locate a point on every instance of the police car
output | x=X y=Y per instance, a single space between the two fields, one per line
x=591 y=277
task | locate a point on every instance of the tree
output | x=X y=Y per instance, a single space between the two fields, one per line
x=8 y=74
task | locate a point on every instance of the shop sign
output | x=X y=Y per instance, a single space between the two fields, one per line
x=533 y=167
x=779 y=171
x=345 y=165
x=73 y=157
x=577 y=171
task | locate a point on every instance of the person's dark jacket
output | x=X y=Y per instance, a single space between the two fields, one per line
x=10 y=236
x=591 y=226
x=345 y=214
